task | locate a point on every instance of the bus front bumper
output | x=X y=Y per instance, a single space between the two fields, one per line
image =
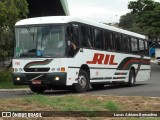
x=58 y=78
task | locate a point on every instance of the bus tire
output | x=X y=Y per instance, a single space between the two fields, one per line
x=97 y=86
x=83 y=82
x=131 y=78
x=37 y=89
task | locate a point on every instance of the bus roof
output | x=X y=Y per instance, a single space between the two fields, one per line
x=67 y=19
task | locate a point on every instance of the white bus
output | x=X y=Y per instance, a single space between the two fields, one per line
x=63 y=51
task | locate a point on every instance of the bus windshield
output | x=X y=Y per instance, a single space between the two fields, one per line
x=40 y=41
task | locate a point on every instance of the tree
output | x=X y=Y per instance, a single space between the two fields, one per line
x=143 y=18
x=10 y=12
x=127 y=21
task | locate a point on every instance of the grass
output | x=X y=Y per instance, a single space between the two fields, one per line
x=149 y=118
x=6 y=81
x=111 y=106
x=67 y=103
x=9 y=85
x=88 y=104
x=72 y=103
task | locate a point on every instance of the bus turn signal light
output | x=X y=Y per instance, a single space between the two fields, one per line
x=62 y=69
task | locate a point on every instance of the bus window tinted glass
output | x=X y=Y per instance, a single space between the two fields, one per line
x=108 y=40
x=90 y=37
x=98 y=39
x=118 y=44
x=141 y=47
x=85 y=37
x=126 y=44
x=146 y=48
x=112 y=42
x=134 y=46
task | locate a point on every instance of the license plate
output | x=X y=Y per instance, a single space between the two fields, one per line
x=36 y=82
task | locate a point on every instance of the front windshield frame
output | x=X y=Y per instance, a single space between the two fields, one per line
x=35 y=39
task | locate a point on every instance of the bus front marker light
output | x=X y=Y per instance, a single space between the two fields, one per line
x=18 y=78
x=20 y=69
x=56 y=78
x=53 y=69
x=16 y=70
x=58 y=69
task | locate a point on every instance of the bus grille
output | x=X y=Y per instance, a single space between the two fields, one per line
x=32 y=76
x=36 y=69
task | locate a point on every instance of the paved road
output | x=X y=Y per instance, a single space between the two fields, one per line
x=148 y=88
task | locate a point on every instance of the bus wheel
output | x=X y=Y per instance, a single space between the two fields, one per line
x=131 y=80
x=83 y=82
x=37 y=89
x=97 y=86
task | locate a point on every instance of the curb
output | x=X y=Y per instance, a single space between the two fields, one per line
x=15 y=90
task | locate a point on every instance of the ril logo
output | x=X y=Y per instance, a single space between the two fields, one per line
x=103 y=59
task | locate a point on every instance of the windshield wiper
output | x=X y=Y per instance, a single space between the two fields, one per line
x=32 y=34
x=45 y=34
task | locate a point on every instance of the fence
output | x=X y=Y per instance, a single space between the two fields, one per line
x=5 y=62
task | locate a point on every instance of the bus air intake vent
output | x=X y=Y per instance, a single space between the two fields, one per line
x=36 y=69
x=32 y=76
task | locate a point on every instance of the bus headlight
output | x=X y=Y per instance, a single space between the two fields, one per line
x=18 y=78
x=56 y=78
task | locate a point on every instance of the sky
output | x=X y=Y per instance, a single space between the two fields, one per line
x=106 y=11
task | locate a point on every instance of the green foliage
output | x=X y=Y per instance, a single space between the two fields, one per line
x=143 y=18
x=67 y=103
x=6 y=81
x=3 y=14
x=5 y=76
x=40 y=98
x=111 y=106
x=10 y=12
x=6 y=43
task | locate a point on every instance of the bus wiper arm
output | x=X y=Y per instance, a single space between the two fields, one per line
x=32 y=34
x=44 y=36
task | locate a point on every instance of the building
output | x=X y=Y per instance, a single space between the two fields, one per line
x=38 y=8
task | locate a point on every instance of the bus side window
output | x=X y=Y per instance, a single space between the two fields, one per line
x=76 y=36
x=146 y=48
x=107 y=39
x=85 y=37
x=126 y=44
x=98 y=39
x=72 y=35
x=118 y=43
x=90 y=37
x=111 y=42
x=134 y=46
x=141 y=47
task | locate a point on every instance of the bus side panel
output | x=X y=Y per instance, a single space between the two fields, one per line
x=143 y=75
x=106 y=66
x=72 y=76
